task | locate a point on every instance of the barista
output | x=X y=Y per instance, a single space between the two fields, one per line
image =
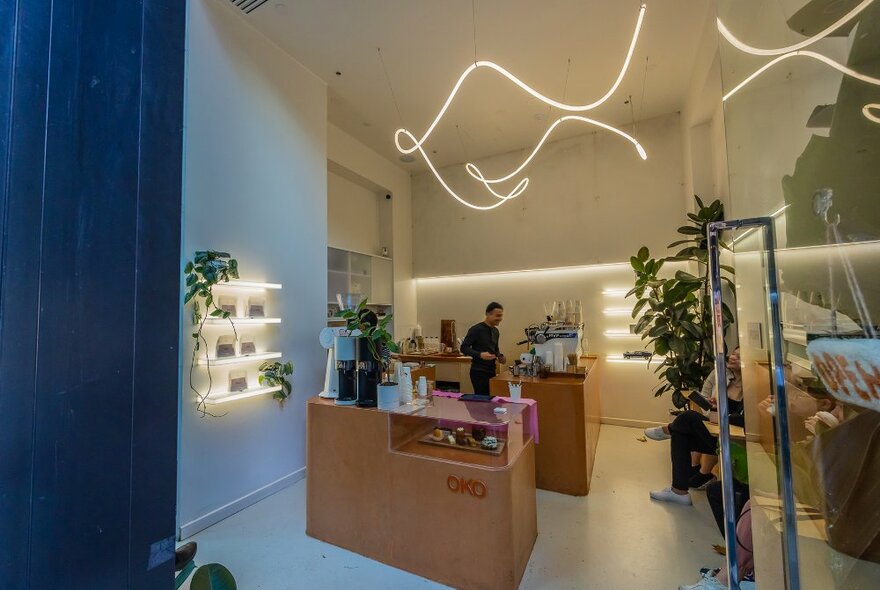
x=481 y=344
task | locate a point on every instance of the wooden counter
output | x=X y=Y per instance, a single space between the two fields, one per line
x=568 y=427
x=450 y=368
x=413 y=511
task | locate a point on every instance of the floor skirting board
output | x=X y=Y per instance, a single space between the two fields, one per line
x=201 y=523
x=630 y=423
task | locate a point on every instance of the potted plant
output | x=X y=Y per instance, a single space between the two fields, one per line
x=381 y=345
x=677 y=319
x=206 y=269
x=371 y=334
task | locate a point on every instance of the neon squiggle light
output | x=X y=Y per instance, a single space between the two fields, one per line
x=817 y=37
x=812 y=54
x=521 y=186
x=475 y=172
x=492 y=65
x=866 y=110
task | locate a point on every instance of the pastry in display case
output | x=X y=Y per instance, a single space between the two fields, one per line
x=469 y=432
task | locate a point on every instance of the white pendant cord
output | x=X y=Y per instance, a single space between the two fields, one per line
x=869 y=115
x=475 y=172
x=491 y=65
x=725 y=32
x=811 y=54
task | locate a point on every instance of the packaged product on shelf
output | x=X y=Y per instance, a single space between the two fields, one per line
x=248 y=344
x=238 y=380
x=225 y=346
x=257 y=306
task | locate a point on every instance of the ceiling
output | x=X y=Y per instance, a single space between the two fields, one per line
x=426 y=45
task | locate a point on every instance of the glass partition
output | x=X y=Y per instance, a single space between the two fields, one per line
x=802 y=119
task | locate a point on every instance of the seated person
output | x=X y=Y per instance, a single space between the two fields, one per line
x=717 y=579
x=689 y=435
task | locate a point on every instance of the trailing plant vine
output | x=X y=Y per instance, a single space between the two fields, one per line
x=274 y=374
x=206 y=269
x=677 y=319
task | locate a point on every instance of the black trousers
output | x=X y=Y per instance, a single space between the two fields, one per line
x=716 y=501
x=480 y=381
x=689 y=434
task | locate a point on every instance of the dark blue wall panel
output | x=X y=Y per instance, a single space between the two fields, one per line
x=91 y=201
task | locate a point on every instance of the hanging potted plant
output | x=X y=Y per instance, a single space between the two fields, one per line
x=677 y=319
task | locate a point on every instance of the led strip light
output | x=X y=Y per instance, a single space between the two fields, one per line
x=725 y=32
x=812 y=54
x=795 y=50
x=417 y=143
x=475 y=172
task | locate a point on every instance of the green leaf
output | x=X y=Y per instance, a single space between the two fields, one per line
x=643 y=254
x=689 y=230
x=212 y=576
x=216 y=313
x=636 y=263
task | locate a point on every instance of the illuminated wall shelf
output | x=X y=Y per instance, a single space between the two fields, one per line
x=618 y=358
x=239 y=359
x=230 y=396
x=241 y=321
x=253 y=285
x=620 y=334
x=618 y=311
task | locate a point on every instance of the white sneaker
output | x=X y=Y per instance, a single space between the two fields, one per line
x=707 y=583
x=667 y=495
x=657 y=433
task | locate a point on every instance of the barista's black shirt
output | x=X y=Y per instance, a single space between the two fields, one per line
x=481 y=338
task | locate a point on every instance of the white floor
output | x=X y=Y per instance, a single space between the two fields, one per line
x=614 y=539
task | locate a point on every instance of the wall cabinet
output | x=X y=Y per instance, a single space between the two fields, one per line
x=362 y=274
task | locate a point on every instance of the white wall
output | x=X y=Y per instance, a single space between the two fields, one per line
x=626 y=387
x=591 y=200
x=345 y=151
x=352 y=216
x=255 y=186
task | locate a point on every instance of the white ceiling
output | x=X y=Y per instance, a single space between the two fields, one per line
x=427 y=44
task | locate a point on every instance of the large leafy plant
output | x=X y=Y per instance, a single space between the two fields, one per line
x=676 y=311
x=360 y=322
x=203 y=272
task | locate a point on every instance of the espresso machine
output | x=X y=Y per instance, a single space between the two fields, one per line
x=369 y=373
x=346 y=368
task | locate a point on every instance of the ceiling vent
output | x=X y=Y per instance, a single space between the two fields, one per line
x=247 y=6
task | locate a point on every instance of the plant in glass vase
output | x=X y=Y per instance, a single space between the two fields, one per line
x=677 y=318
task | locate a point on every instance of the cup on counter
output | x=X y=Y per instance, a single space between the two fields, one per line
x=515 y=390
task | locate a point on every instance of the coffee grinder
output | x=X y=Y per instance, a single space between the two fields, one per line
x=346 y=369
x=369 y=372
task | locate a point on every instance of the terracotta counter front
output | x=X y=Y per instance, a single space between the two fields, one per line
x=568 y=427
x=454 y=516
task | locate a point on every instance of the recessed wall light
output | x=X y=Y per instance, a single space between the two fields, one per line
x=407 y=158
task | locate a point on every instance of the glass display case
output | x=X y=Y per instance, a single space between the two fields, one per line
x=482 y=434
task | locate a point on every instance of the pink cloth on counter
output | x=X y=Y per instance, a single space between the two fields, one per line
x=532 y=409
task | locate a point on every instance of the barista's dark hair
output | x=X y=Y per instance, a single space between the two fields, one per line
x=493 y=306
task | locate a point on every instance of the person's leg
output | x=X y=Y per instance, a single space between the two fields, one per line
x=707 y=463
x=480 y=381
x=716 y=502
x=681 y=472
